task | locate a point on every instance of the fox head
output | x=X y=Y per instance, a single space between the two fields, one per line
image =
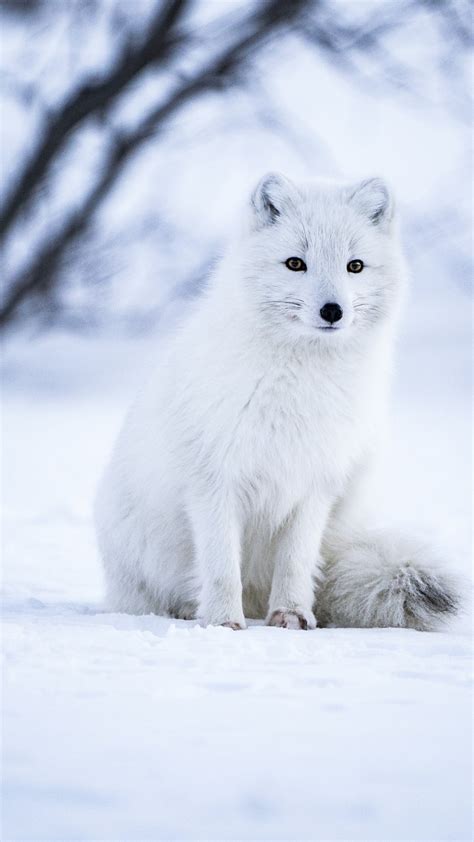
x=322 y=261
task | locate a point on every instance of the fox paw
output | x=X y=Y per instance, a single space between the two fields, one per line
x=291 y=619
x=234 y=626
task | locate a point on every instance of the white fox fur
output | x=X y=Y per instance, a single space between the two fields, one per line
x=242 y=461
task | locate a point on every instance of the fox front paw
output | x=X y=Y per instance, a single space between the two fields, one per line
x=234 y=626
x=236 y=623
x=289 y=619
x=219 y=609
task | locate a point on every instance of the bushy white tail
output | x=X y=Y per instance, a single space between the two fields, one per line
x=383 y=578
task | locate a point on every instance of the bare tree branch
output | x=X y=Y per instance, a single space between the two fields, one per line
x=39 y=277
x=90 y=99
x=340 y=38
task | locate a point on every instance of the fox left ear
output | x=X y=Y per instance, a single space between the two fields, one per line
x=271 y=196
x=374 y=200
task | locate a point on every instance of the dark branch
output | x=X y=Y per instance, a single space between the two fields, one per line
x=40 y=276
x=91 y=99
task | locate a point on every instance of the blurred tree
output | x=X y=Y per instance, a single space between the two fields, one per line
x=194 y=57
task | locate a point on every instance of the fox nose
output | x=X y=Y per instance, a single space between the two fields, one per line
x=331 y=313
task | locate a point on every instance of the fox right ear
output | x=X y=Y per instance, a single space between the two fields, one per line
x=270 y=197
x=374 y=200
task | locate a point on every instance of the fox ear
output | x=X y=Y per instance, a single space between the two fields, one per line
x=373 y=199
x=270 y=196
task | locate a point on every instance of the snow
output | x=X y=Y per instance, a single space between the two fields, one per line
x=124 y=728
x=153 y=729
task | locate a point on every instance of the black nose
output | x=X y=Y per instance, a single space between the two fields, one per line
x=331 y=313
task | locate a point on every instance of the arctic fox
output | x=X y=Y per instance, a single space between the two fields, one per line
x=235 y=487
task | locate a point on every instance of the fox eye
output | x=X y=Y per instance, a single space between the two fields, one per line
x=355 y=266
x=295 y=264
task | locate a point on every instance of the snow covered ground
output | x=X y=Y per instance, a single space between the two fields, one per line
x=129 y=728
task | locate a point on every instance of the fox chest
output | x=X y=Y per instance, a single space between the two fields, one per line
x=294 y=439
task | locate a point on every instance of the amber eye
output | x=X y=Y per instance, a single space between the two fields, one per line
x=295 y=264
x=355 y=266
